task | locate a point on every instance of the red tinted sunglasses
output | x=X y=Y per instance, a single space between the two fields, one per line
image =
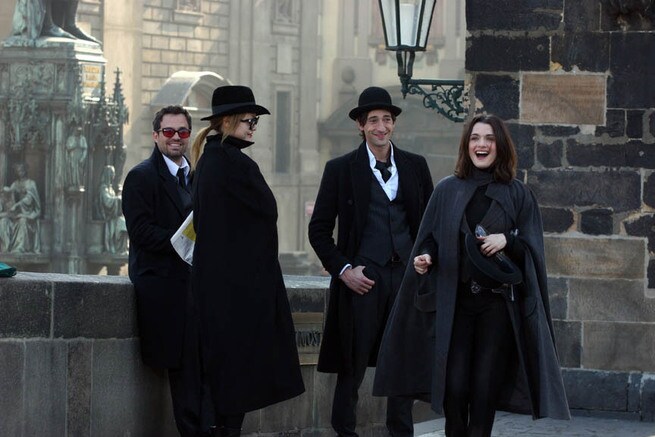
x=169 y=132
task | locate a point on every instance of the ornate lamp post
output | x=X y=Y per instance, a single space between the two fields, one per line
x=406 y=26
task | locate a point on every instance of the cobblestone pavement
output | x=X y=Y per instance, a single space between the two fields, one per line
x=513 y=425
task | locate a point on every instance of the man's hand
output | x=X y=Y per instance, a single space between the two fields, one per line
x=422 y=263
x=355 y=280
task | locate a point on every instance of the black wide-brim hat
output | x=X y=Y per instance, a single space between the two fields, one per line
x=491 y=271
x=234 y=99
x=374 y=98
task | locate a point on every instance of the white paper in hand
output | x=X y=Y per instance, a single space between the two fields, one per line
x=184 y=239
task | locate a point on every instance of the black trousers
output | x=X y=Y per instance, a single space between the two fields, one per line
x=482 y=342
x=192 y=406
x=371 y=311
x=229 y=425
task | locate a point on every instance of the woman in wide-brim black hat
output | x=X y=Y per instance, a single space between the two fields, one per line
x=471 y=330
x=247 y=335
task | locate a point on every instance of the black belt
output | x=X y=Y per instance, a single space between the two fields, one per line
x=507 y=291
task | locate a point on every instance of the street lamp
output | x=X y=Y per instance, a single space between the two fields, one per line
x=406 y=26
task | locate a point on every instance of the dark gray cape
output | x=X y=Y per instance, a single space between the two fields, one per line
x=414 y=351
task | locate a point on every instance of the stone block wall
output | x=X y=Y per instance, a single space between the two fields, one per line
x=574 y=80
x=176 y=37
x=70 y=365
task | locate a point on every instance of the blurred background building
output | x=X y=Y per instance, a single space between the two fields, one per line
x=307 y=61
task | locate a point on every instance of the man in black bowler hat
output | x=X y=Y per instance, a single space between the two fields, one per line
x=377 y=194
x=156 y=200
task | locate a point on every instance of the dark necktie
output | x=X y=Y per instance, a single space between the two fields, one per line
x=181 y=178
x=384 y=169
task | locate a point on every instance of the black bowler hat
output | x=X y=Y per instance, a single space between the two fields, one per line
x=234 y=99
x=491 y=271
x=374 y=98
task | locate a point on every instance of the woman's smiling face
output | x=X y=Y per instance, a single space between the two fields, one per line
x=482 y=146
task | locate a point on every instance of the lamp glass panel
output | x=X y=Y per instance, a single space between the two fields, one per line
x=409 y=11
x=426 y=21
x=388 y=10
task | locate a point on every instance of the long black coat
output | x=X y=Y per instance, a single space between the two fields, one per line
x=153 y=211
x=414 y=350
x=246 y=329
x=344 y=193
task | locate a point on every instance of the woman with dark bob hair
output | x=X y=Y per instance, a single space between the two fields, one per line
x=247 y=335
x=471 y=330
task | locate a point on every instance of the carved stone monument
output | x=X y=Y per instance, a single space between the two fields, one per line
x=47 y=18
x=58 y=131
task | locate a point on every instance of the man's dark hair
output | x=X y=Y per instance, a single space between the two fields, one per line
x=173 y=109
x=361 y=118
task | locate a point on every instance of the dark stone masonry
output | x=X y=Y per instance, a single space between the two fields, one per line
x=575 y=82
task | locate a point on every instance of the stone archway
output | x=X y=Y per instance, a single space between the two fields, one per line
x=191 y=89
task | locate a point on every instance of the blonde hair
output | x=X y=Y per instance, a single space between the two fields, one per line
x=225 y=125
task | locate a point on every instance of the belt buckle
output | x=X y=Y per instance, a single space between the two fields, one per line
x=507 y=291
x=475 y=287
x=499 y=290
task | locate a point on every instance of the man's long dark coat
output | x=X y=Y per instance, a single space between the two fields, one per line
x=414 y=350
x=246 y=328
x=153 y=211
x=344 y=193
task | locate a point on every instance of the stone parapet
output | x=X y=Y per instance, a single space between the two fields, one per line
x=69 y=356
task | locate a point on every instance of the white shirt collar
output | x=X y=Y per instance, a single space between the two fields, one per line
x=372 y=160
x=390 y=187
x=173 y=167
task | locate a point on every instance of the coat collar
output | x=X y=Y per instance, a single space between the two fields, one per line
x=230 y=140
x=168 y=180
x=498 y=192
x=361 y=177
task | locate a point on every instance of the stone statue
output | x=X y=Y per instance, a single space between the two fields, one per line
x=119 y=158
x=24 y=213
x=6 y=224
x=76 y=151
x=28 y=19
x=109 y=209
x=36 y=18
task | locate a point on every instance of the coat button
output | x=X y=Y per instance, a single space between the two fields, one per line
x=349 y=202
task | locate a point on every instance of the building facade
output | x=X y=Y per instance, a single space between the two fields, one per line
x=305 y=61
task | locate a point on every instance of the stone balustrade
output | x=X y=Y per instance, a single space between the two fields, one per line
x=70 y=363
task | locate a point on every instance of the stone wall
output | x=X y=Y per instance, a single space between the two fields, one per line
x=70 y=365
x=575 y=82
x=177 y=37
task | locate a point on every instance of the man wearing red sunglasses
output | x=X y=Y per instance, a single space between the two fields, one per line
x=156 y=200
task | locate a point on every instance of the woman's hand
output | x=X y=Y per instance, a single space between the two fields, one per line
x=422 y=263
x=492 y=244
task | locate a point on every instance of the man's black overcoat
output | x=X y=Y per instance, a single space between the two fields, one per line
x=153 y=211
x=248 y=339
x=414 y=351
x=344 y=196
